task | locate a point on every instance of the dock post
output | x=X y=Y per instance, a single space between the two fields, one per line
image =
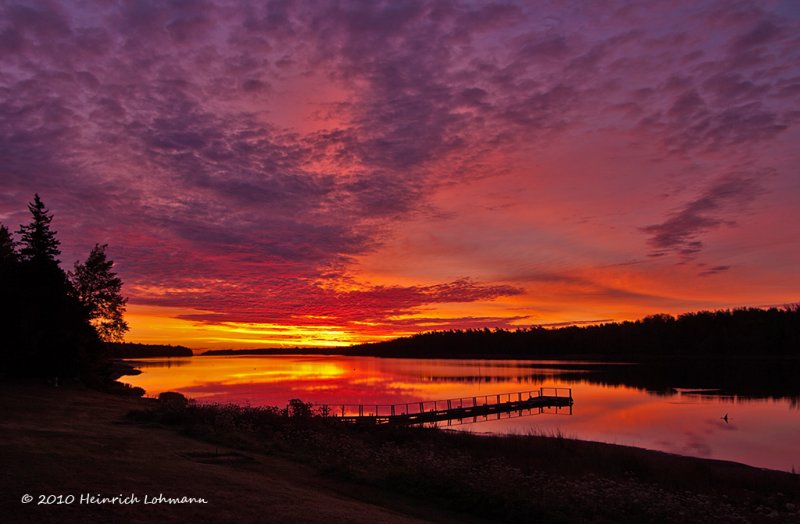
x=361 y=410
x=392 y=409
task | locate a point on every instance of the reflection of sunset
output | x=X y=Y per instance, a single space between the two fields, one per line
x=681 y=422
x=225 y=372
x=301 y=371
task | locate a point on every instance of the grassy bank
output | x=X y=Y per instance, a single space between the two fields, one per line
x=511 y=478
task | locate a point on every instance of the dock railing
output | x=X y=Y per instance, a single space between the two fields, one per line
x=435 y=406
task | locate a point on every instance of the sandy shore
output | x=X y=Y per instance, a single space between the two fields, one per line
x=73 y=441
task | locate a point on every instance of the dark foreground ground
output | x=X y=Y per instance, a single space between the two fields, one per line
x=254 y=465
x=75 y=441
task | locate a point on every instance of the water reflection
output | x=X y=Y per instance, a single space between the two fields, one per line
x=632 y=404
x=516 y=414
x=161 y=362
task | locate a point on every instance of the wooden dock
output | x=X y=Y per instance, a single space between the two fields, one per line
x=459 y=409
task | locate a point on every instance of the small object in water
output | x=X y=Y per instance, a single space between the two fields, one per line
x=725 y=418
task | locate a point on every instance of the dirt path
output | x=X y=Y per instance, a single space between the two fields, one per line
x=74 y=441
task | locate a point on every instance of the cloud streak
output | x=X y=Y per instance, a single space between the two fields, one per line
x=718 y=205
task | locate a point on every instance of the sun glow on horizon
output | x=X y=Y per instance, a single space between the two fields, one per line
x=162 y=325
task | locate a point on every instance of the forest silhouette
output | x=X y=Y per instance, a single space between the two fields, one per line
x=752 y=332
x=749 y=351
x=54 y=323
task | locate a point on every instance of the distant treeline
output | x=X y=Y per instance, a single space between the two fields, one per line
x=736 y=332
x=134 y=350
x=276 y=351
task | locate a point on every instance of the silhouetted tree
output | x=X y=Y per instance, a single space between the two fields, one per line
x=9 y=296
x=51 y=323
x=8 y=252
x=98 y=289
x=38 y=241
x=45 y=329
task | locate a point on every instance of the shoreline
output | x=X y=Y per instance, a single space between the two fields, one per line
x=126 y=454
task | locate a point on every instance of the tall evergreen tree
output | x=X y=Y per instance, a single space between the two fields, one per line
x=9 y=298
x=98 y=289
x=50 y=331
x=38 y=241
x=8 y=252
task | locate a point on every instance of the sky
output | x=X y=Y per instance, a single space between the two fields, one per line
x=299 y=173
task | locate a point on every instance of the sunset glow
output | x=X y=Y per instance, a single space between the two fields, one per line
x=323 y=174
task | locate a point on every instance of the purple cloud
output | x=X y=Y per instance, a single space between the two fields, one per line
x=714 y=271
x=720 y=204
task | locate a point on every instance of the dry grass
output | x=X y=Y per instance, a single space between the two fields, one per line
x=515 y=478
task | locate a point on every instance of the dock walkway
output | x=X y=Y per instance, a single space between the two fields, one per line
x=451 y=409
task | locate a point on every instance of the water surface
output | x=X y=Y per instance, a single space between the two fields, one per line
x=762 y=432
